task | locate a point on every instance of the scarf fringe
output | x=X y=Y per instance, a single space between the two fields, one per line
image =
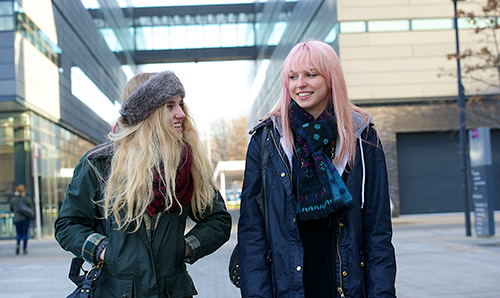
x=323 y=210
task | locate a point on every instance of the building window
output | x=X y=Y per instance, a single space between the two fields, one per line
x=407 y=25
x=83 y=88
x=278 y=30
x=353 y=27
x=388 y=25
x=7 y=16
x=333 y=34
x=431 y=24
x=36 y=36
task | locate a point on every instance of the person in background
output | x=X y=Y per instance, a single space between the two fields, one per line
x=129 y=198
x=22 y=222
x=327 y=199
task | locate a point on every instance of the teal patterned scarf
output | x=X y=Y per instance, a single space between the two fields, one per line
x=320 y=189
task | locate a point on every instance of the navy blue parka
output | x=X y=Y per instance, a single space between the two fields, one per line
x=364 y=257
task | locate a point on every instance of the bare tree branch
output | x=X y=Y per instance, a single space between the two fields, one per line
x=481 y=66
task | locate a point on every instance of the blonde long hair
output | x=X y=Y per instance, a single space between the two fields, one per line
x=142 y=149
x=325 y=61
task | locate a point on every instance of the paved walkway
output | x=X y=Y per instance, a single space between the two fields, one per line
x=435 y=259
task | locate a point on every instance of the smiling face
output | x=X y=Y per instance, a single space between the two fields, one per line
x=176 y=113
x=309 y=90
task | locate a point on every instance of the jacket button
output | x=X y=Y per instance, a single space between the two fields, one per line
x=299 y=268
x=124 y=296
x=344 y=273
x=341 y=224
x=362 y=264
x=294 y=220
x=283 y=175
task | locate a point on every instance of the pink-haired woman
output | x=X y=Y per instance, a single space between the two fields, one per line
x=328 y=229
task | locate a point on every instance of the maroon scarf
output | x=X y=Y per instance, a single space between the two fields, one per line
x=184 y=187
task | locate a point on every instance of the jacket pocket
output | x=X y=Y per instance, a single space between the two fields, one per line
x=113 y=287
x=180 y=286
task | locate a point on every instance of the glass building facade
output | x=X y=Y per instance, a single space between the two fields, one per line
x=58 y=152
x=51 y=75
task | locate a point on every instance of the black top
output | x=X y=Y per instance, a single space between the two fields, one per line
x=317 y=241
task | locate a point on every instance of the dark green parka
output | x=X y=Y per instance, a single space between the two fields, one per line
x=135 y=264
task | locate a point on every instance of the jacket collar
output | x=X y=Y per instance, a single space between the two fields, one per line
x=360 y=123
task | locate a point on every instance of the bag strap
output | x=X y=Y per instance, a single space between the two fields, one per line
x=88 y=277
x=262 y=204
x=77 y=262
x=74 y=270
x=264 y=161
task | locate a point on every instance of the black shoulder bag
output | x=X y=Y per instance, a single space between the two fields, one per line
x=84 y=282
x=234 y=264
x=24 y=209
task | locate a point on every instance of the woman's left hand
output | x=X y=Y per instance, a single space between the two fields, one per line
x=101 y=256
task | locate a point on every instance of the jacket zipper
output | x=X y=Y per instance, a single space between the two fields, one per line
x=339 y=289
x=286 y=165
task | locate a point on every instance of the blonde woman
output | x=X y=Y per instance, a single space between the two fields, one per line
x=145 y=181
x=328 y=230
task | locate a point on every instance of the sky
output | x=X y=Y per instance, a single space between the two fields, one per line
x=214 y=90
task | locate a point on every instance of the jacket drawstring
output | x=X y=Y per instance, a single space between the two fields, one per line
x=364 y=172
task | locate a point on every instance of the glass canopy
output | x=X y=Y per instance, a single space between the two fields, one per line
x=161 y=29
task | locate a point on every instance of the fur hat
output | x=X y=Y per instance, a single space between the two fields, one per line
x=150 y=95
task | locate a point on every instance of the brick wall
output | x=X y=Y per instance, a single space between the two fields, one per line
x=433 y=116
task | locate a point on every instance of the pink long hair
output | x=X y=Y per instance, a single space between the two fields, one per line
x=320 y=56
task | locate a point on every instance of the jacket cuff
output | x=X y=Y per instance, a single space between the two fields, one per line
x=195 y=246
x=99 y=249
x=90 y=246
